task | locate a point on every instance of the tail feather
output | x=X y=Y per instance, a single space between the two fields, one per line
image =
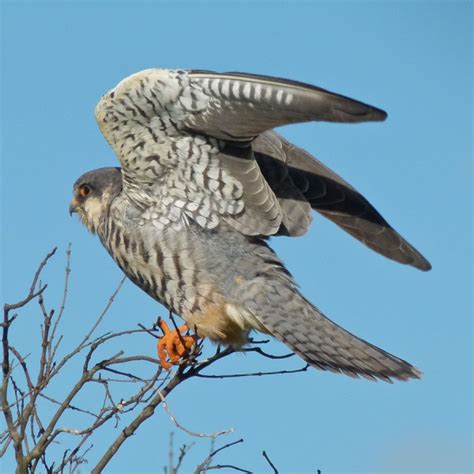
x=289 y=317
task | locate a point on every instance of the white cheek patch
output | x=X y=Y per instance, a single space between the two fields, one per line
x=93 y=210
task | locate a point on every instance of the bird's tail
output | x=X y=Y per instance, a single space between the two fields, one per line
x=289 y=317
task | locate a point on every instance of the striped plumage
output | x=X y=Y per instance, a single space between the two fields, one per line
x=204 y=180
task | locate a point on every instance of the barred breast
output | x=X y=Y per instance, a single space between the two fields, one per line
x=181 y=269
x=163 y=268
x=196 y=273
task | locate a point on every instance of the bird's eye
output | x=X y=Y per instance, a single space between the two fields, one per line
x=84 y=190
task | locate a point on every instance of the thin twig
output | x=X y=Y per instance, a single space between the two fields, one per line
x=205 y=465
x=7 y=321
x=265 y=455
x=228 y=466
x=171 y=453
x=228 y=445
x=86 y=338
x=32 y=293
x=52 y=350
x=71 y=407
x=131 y=428
x=182 y=453
x=186 y=430
x=267 y=355
x=254 y=374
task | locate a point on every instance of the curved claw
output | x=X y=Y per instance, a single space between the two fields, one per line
x=174 y=345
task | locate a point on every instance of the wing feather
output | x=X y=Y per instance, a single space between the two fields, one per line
x=171 y=130
x=241 y=106
x=334 y=198
x=197 y=145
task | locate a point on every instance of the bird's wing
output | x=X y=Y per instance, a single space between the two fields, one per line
x=241 y=106
x=301 y=182
x=184 y=141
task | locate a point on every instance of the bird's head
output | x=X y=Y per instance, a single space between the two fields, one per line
x=93 y=194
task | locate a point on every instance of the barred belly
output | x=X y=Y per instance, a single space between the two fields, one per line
x=190 y=272
x=163 y=268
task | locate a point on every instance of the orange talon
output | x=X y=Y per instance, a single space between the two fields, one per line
x=173 y=345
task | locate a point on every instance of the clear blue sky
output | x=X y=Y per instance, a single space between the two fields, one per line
x=412 y=59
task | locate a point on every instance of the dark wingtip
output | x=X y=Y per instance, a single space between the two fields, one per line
x=349 y=110
x=418 y=261
x=372 y=114
x=378 y=115
x=424 y=265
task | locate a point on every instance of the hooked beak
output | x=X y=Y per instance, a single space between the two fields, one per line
x=73 y=206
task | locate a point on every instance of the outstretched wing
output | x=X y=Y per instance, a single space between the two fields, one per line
x=301 y=182
x=186 y=142
x=171 y=132
x=241 y=106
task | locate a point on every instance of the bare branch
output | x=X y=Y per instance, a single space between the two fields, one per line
x=228 y=445
x=266 y=354
x=7 y=321
x=130 y=429
x=22 y=363
x=31 y=437
x=32 y=294
x=189 y=432
x=86 y=338
x=53 y=350
x=70 y=407
x=265 y=455
x=182 y=453
x=228 y=466
x=254 y=374
x=205 y=465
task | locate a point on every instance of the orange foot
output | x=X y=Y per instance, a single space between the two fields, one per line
x=173 y=345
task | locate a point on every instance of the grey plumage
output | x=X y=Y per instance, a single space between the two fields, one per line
x=204 y=180
x=331 y=196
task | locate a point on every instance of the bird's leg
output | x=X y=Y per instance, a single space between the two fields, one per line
x=173 y=345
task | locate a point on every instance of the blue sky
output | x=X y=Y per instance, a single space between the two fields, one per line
x=412 y=59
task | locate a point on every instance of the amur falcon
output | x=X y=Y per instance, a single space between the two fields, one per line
x=204 y=182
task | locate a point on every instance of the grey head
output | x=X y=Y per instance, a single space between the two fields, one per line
x=93 y=193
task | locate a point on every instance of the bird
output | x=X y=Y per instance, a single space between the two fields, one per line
x=204 y=182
